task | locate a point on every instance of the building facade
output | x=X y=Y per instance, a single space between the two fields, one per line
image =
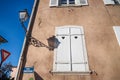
x=96 y=18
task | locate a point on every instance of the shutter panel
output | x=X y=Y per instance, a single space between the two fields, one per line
x=77 y=2
x=106 y=2
x=62 y=52
x=53 y=3
x=78 y=50
x=118 y=1
x=83 y=2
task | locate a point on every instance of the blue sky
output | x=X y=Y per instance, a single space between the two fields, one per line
x=10 y=27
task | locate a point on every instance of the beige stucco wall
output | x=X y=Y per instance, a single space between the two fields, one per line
x=102 y=46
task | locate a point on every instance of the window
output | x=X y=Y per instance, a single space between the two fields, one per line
x=68 y=2
x=71 y=55
x=107 y=2
x=117 y=33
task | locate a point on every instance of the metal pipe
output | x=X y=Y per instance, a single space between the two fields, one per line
x=25 y=29
x=25 y=41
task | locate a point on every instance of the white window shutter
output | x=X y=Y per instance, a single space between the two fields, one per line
x=117 y=33
x=77 y=2
x=106 y=2
x=53 y=3
x=83 y=2
x=71 y=55
x=118 y=1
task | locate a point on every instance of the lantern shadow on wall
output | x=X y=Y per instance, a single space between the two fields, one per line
x=53 y=42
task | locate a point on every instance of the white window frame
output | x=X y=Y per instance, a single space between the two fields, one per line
x=117 y=33
x=65 y=62
x=56 y=3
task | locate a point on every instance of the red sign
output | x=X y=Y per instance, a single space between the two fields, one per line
x=4 y=54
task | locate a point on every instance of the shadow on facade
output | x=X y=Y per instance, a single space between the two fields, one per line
x=53 y=42
x=35 y=42
x=37 y=76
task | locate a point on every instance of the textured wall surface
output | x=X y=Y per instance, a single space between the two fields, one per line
x=101 y=44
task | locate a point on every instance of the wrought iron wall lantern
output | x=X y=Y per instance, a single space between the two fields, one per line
x=23 y=16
